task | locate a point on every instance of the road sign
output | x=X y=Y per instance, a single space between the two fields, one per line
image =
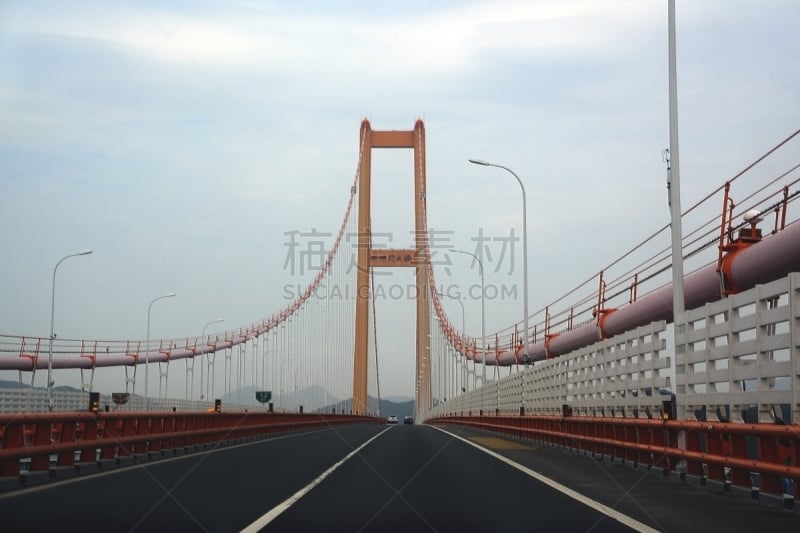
x=263 y=396
x=120 y=398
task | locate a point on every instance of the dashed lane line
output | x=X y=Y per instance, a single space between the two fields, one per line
x=273 y=513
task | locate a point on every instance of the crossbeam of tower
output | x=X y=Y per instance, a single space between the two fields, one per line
x=391 y=258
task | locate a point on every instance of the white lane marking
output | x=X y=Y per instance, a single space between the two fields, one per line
x=597 y=506
x=273 y=513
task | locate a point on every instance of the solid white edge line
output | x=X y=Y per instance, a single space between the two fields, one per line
x=273 y=513
x=608 y=511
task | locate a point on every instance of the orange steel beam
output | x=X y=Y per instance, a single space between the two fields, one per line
x=392 y=139
x=368 y=258
x=394 y=258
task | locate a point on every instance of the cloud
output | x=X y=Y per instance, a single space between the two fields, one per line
x=199 y=133
x=417 y=39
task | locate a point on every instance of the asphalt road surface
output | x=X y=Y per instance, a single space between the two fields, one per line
x=382 y=478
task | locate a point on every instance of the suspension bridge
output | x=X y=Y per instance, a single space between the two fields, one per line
x=603 y=372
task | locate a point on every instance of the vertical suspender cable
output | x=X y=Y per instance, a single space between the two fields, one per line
x=375 y=338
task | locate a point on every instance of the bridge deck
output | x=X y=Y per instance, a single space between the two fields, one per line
x=409 y=478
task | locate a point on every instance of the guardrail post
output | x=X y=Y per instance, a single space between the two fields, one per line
x=109 y=431
x=67 y=457
x=696 y=441
x=788 y=492
x=739 y=450
x=42 y=436
x=719 y=445
x=156 y=429
x=755 y=485
x=89 y=434
x=786 y=453
x=12 y=439
x=128 y=429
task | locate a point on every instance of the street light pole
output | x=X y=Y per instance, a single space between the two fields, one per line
x=203 y=336
x=296 y=394
x=524 y=265
x=483 y=310
x=286 y=360
x=52 y=335
x=439 y=366
x=147 y=348
x=463 y=329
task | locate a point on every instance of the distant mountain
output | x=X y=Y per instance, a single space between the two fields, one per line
x=311 y=398
x=399 y=399
x=6 y=384
x=314 y=398
x=401 y=409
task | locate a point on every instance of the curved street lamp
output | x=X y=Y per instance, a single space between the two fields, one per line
x=285 y=360
x=524 y=260
x=463 y=334
x=483 y=310
x=52 y=335
x=202 y=336
x=147 y=348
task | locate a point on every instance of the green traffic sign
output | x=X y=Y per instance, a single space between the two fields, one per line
x=263 y=396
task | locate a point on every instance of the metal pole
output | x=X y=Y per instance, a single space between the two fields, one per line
x=286 y=360
x=147 y=349
x=433 y=380
x=483 y=310
x=296 y=394
x=202 y=336
x=445 y=364
x=524 y=267
x=463 y=318
x=52 y=335
x=674 y=188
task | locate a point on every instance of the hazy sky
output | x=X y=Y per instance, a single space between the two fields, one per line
x=182 y=140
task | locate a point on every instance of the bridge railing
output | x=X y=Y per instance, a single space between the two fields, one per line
x=734 y=416
x=627 y=376
x=742 y=358
x=35 y=400
x=47 y=442
x=708 y=451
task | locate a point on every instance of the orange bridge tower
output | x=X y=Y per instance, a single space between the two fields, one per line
x=368 y=258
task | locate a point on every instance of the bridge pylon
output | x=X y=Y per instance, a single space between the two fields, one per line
x=368 y=258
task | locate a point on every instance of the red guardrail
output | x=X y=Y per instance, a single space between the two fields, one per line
x=113 y=435
x=725 y=452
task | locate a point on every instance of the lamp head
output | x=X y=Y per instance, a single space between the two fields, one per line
x=752 y=216
x=479 y=162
